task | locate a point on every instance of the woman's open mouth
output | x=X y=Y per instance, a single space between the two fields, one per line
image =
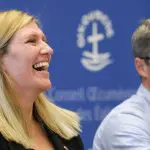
x=41 y=66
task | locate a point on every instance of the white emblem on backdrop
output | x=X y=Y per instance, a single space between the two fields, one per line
x=94 y=60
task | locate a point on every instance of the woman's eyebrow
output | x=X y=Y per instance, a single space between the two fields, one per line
x=36 y=35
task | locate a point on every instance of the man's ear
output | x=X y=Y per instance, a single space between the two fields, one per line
x=141 y=67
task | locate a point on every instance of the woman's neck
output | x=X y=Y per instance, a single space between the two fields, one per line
x=26 y=101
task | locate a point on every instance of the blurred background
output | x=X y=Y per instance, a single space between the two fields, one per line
x=92 y=69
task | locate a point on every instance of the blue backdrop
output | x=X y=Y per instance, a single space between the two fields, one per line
x=92 y=69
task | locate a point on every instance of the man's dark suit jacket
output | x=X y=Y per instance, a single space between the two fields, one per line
x=59 y=143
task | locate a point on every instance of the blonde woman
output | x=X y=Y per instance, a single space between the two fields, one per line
x=27 y=119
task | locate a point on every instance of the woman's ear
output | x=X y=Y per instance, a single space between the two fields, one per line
x=3 y=67
x=141 y=67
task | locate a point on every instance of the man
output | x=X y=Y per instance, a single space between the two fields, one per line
x=127 y=127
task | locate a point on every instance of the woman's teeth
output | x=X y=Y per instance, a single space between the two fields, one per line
x=41 y=66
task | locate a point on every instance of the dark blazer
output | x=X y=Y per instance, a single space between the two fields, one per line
x=59 y=143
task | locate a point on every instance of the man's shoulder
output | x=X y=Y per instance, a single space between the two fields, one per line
x=133 y=110
x=129 y=118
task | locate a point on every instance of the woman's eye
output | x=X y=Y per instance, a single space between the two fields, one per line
x=31 y=41
x=44 y=40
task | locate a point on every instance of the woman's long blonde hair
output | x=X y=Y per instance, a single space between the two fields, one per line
x=12 y=125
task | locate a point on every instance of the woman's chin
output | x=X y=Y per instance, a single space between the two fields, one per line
x=47 y=86
x=41 y=85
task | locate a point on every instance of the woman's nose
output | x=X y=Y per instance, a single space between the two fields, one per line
x=46 y=49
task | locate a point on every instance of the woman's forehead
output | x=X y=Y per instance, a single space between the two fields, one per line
x=30 y=30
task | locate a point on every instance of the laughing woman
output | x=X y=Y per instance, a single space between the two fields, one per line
x=28 y=120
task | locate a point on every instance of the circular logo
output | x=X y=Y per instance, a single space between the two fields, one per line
x=92 y=59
